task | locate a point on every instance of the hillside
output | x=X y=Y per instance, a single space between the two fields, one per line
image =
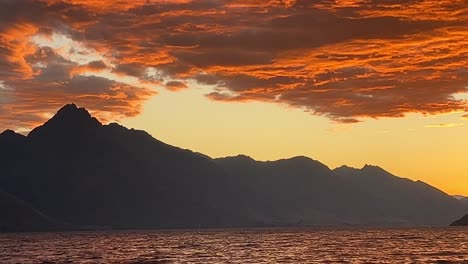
x=304 y=191
x=18 y=216
x=79 y=171
x=461 y=222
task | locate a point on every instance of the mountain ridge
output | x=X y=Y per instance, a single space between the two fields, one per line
x=82 y=172
x=374 y=175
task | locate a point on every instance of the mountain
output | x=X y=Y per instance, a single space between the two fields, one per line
x=402 y=200
x=79 y=171
x=285 y=192
x=304 y=191
x=461 y=222
x=16 y=216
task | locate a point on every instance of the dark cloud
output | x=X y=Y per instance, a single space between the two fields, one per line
x=341 y=59
x=130 y=69
x=223 y=57
x=32 y=101
x=176 y=85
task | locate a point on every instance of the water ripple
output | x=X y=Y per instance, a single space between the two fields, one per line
x=421 y=245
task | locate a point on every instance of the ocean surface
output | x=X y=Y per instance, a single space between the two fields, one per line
x=421 y=245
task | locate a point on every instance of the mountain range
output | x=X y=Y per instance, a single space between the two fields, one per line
x=75 y=170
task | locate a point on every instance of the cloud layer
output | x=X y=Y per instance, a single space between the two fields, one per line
x=346 y=60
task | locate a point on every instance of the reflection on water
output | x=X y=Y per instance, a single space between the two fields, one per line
x=436 y=245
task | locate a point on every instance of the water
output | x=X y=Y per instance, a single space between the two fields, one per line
x=428 y=245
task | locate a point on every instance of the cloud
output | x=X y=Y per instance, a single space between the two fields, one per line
x=444 y=125
x=94 y=66
x=175 y=85
x=109 y=99
x=346 y=60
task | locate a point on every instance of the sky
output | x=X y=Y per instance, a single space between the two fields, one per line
x=341 y=81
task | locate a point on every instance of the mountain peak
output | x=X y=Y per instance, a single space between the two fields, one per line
x=8 y=132
x=376 y=171
x=238 y=157
x=71 y=106
x=344 y=169
x=69 y=118
x=369 y=167
x=11 y=135
x=73 y=111
x=242 y=156
x=239 y=160
x=301 y=158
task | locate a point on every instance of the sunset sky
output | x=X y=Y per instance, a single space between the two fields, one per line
x=382 y=82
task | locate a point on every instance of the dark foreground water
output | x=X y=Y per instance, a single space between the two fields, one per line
x=423 y=245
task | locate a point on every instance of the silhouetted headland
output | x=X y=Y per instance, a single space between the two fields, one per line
x=461 y=222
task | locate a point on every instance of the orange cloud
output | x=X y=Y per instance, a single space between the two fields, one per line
x=176 y=86
x=93 y=66
x=109 y=100
x=346 y=60
x=16 y=47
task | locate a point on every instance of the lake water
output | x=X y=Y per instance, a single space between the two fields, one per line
x=428 y=245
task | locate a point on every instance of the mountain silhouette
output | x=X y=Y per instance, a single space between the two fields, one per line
x=79 y=171
x=70 y=121
x=403 y=199
x=461 y=222
x=75 y=169
x=304 y=191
